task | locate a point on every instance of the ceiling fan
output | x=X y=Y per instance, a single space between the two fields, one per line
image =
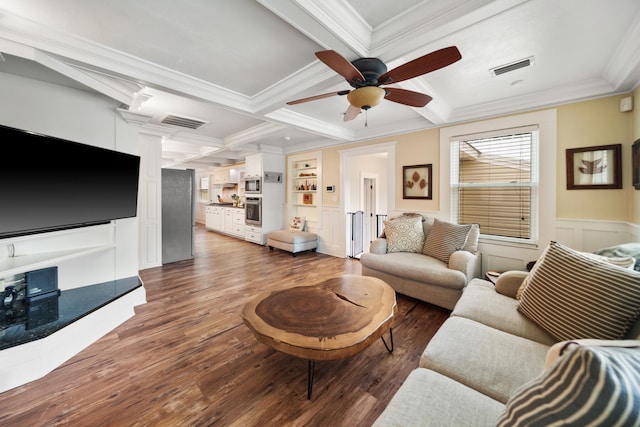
x=366 y=75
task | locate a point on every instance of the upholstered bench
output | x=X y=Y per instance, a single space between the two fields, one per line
x=293 y=241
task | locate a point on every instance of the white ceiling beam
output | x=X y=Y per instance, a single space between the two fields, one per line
x=315 y=126
x=417 y=31
x=297 y=16
x=253 y=134
x=339 y=18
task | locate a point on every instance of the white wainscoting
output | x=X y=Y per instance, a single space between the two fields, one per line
x=582 y=235
x=591 y=235
x=331 y=232
x=578 y=234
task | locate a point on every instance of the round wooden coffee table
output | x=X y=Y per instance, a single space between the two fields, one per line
x=331 y=320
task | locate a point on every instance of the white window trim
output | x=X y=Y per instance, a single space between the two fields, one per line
x=546 y=121
x=533 y=184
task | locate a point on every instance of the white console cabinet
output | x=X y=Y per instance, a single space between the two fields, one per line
x=83 y=256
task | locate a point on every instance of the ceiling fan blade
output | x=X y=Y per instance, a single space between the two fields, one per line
x=407 y=97
x=423 y=65
x=351 y=113
x=313 y=98
x=340 y=65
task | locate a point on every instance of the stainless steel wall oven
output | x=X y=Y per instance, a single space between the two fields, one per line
x=253 y=211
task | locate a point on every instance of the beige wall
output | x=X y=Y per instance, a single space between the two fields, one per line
x=582 y=124
x=585 y=124
x=411 y=149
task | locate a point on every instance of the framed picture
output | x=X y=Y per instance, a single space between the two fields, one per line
x=596 y=167
x=416 y=182
x=635 y=167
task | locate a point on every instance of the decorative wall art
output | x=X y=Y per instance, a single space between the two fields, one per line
x=416 y=182
x=596 y=167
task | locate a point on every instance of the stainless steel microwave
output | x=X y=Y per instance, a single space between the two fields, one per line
x=253 y=185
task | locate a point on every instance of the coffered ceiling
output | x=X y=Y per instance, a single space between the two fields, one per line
x=231 y=66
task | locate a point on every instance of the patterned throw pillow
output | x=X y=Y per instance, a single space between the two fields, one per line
x=444 y=239
x=572 y=296
x=404 y=234
x=587 y=385
x=297 y=223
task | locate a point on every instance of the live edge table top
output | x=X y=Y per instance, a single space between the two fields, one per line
x=330 y=320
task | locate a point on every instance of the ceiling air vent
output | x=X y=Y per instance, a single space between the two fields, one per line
x=523 y=63
x=185 y=122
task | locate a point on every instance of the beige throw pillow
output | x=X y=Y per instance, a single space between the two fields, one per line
x=297 y=223
x=404 y=234
x=572 y=296
x=444 y=239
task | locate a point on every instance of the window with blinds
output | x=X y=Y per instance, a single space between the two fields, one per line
x=494 y=183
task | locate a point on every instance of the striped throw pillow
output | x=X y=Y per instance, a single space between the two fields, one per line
x=444 y=239
x=572 y=296
x=587 y=385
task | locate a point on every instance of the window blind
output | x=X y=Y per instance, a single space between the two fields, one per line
x=494 y=182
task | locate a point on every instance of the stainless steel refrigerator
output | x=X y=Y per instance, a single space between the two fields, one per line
x=178 y=214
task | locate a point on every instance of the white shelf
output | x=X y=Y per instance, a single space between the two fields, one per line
x=308 y=165
x=27 y=253
x=23 y=263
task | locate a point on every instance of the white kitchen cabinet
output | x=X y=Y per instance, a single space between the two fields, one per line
x=214 y=216
x=238 y=223
x=221 y=176
x=201 y=213
x=253 y=166
x=254 y=234
x=228 y=220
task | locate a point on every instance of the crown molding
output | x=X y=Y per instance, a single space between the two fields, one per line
x=625 y=61
x=134 y=118
x=588 y=89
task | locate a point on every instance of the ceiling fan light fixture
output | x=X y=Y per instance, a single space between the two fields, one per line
x=366 y=97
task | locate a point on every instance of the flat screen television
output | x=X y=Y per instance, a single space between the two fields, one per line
x=49 y=184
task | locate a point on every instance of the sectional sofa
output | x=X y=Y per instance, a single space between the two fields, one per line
x=514 y=354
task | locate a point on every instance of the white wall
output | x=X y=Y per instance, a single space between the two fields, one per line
x=85 y=117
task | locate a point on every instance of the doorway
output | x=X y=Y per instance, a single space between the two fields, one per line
x=367 y=180
x=370 y=210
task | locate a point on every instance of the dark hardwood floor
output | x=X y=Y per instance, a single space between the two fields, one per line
x=186 y=358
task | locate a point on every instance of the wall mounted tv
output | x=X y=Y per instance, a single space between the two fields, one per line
x=49 y=184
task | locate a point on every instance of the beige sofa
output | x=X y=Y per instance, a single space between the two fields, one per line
x=409 y=269
x=486 y=364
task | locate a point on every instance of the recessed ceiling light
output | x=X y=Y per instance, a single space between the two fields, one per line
x=517 y=83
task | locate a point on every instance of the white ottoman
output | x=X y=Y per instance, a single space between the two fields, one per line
x=292 y=240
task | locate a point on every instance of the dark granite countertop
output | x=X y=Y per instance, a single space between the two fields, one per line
x=29 y=322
